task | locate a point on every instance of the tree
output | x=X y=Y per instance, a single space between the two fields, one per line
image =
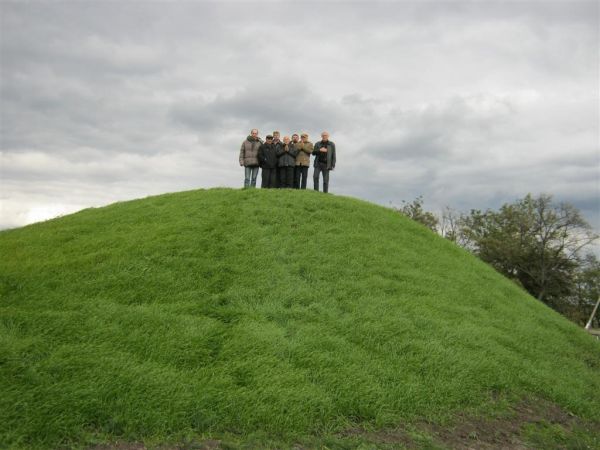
x=450 y=226
x=415 y=211
x=586 y=290
x=534 y=241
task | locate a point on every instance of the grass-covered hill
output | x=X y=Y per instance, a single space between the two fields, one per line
x=273 y=318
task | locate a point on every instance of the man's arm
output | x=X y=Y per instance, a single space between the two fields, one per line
x=261 y=155
x=333 y=155
x=242 y=155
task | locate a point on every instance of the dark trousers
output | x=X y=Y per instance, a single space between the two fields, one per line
x=321 y=167
x=286 y=177
x=300 y=176
x=268 y=178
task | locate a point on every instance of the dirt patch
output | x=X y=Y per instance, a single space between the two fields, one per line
x=209 y=444
x=119 y=446
x=395 y=436
x=476 y=433
x=529 y=424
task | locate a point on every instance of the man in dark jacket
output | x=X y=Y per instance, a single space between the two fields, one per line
x=278 y=144
x=267 y=158
x=249 y=158
x=324 y=152
x=287 y=163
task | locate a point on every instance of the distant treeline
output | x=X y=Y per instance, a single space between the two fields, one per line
x=538 y=243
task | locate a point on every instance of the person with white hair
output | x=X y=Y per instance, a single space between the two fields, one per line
x=324 y=152
x=249 y=158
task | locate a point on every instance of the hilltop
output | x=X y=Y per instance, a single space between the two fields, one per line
x=274 y=318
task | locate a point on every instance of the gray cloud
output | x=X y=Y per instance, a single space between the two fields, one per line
x=283 y=103
x=469 y=104
x=411 y=146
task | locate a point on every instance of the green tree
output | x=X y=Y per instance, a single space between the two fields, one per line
x=415 y=211
x=586 y=290
x=534 y=241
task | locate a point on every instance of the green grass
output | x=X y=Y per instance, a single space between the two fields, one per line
x=553 y=436
x=287 y=315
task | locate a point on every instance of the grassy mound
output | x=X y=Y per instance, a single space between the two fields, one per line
x=265 y=314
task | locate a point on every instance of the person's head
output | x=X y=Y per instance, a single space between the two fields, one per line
x=286 y=139
x=295 y=138
x=304 y=137
x=254 y=132
x=276 y=134
x=269 y=139
x=324 y=136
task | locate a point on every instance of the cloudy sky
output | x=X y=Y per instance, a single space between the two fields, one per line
x=470 y=104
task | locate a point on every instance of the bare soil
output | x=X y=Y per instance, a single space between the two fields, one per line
x=477 y=433
x=463 y=433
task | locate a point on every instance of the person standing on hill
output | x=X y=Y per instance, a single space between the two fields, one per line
x=278 y=144
x=267 y=159
x=305 y=149
x=287 y=162
x=249 y=158
x=324 y=152
x=295 y=140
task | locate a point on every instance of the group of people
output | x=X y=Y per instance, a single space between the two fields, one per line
x=285 y=163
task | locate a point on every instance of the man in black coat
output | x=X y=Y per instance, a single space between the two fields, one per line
x=324 y=152
x=287 y=163
x=267 y=159
x=278 y=144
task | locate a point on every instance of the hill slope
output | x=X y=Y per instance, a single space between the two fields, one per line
x=264 y=313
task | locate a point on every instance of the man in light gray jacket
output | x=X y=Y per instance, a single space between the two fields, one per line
x=249 y=158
